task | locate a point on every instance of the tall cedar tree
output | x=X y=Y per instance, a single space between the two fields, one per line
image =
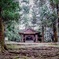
x=54 y=4
x=8 y=11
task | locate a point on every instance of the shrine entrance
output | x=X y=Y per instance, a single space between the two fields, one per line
x=28 y=35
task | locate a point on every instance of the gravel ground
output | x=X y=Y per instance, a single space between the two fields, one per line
x=32 y=53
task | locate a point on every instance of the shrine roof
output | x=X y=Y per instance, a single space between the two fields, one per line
x=29 y=31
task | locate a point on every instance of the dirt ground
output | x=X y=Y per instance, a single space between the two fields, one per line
x=31 y=53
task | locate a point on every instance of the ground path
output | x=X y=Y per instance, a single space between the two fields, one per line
x=32 y=44
x=31 y=51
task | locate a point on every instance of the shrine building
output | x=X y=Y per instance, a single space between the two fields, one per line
x=30 y=34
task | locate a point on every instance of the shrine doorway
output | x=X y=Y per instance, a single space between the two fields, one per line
x=29 y=38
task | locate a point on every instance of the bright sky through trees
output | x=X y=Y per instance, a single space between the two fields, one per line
x=30 y=13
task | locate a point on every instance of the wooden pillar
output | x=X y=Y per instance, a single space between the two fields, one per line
x=33 y=37
x=22 y=38
x=25 y=37
x=36 y=38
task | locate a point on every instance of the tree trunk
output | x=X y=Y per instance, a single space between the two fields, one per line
x=42 y=33
x=3 y=46
x=1 y=33
x=55 y=32
x=58 y=24
x=2 y=36
x=54 y=24
x=57 y=6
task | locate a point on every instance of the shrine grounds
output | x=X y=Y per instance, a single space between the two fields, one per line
x=31 y=51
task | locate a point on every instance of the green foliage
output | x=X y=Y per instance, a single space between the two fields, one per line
x=54 y=1
x=9 y=9
x=27 y=1
x=26 y=9
x=47 y=16
x=12 y=32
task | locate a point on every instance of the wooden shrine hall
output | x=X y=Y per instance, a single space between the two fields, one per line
x=29 y=34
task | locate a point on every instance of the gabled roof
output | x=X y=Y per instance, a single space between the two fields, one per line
x=29 y=31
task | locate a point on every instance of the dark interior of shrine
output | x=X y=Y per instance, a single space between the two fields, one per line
x=28 y=38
